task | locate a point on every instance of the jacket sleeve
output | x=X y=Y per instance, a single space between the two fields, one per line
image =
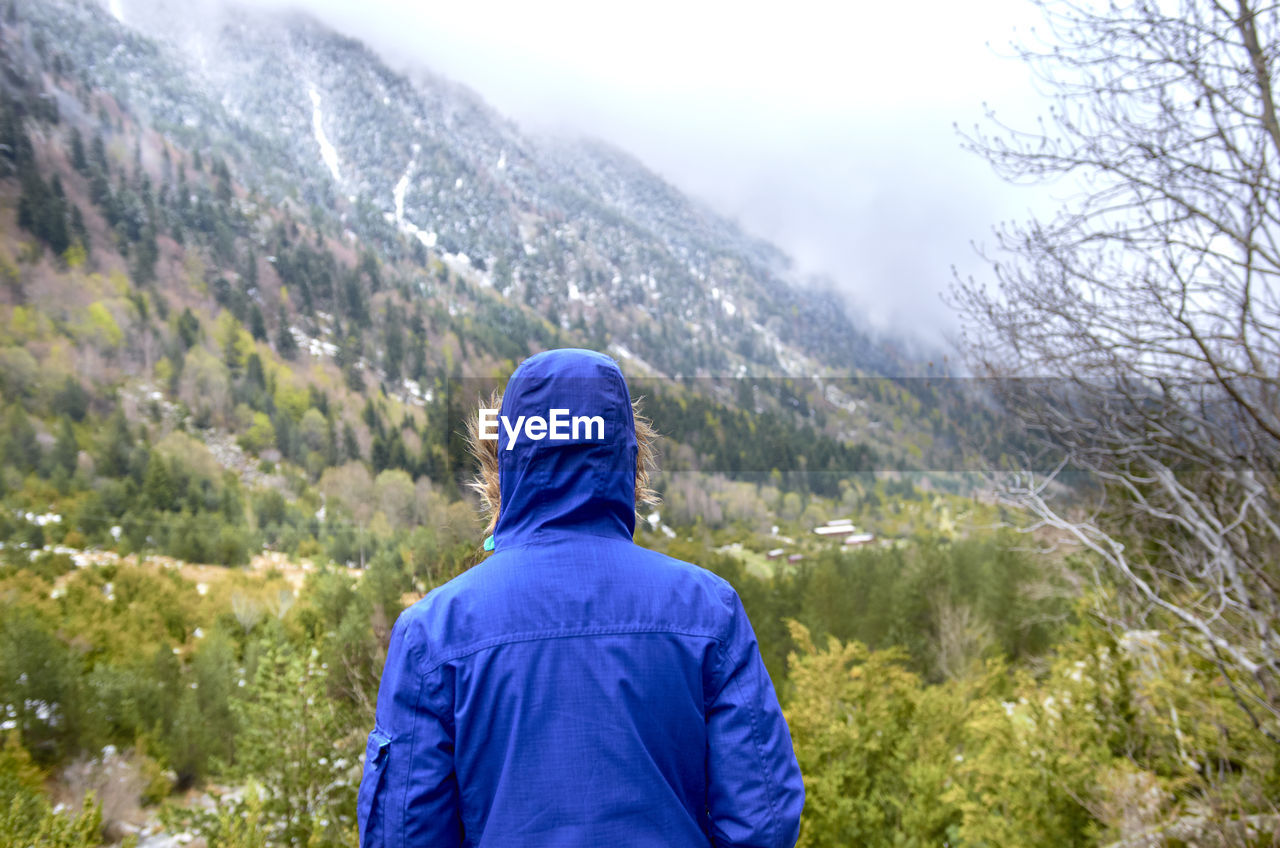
x=409 y=791
x=755 y=791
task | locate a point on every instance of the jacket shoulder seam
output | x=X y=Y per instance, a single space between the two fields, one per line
x=570 y=633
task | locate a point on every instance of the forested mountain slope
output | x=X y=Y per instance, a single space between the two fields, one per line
x=253 y=283
x=256 y=236
x=574 y=230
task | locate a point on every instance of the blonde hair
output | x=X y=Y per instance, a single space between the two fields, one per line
x=485 y=483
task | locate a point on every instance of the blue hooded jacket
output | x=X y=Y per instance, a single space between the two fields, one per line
x=575 y=689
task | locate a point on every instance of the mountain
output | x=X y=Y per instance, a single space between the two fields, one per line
x=573 y=229
x=253 y=280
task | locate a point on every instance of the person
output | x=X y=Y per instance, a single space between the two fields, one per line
x=575 y=689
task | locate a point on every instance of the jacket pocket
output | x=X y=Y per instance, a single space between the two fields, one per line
x=369 y=816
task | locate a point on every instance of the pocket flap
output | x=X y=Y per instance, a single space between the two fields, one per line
x=375 y=754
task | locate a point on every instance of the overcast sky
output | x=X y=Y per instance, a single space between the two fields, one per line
x=825 y=127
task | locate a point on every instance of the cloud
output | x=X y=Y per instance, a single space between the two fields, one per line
x=825 y=128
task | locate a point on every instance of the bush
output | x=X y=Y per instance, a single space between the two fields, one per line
x=40 y=686
x=300 y=744
x=874 y=746
x=50 y=566
x=26 y=819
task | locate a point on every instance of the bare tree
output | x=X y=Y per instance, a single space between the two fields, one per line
x=1148 y=309
x=247 y=610
x=279 y=605
x=962 y=637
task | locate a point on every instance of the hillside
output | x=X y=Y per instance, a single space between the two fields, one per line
x=576 y=231
x=253 y=283
x=256 y=241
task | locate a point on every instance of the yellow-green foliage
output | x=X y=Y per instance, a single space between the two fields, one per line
x=1119 y=738
x=875 y=746
x=9 y=274
x=234 y=340
x=26 y=818
x=75 y=256
x=245 y=827
x=1115 y=740
x=27 y=324
x=205 y=381
x=1027 y=771
x=137 y=606
x=18 y=371
x=260 y=434
x=289 y=396
x=193 y=266
x=163 y=371
x=119 y=283
x=57 y=361
x=352 y=484
x=300 y=742
x=396 y=498
x=112 y=611
x=192 y=452
x=101 y=327
x=30 y=252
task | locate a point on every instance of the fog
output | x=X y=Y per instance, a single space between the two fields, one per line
x=829 y=131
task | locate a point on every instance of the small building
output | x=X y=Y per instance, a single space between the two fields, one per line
x=836 y=527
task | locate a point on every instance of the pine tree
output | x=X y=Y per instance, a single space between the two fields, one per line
x=158 y=491
x=146 y=254
x=71 y=400
x=250 y=276
x=257 y=323
x=286 y=344
x=100 y=194
x=294 y=738
x=188 y=328
x=21 y=448
x=65 y=449
x=54 y=218
x=79 y=160
x=253 y=374
x=42 y=209
x=116 y=453
x=98 y=155
x=78 y=230
x=350 y=447
x=223 y=178
x=394 y=345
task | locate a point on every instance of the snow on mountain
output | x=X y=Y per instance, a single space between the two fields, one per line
x=567 y=227
x=327 y=151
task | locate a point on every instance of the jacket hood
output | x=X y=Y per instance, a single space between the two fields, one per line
x=566 y=449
